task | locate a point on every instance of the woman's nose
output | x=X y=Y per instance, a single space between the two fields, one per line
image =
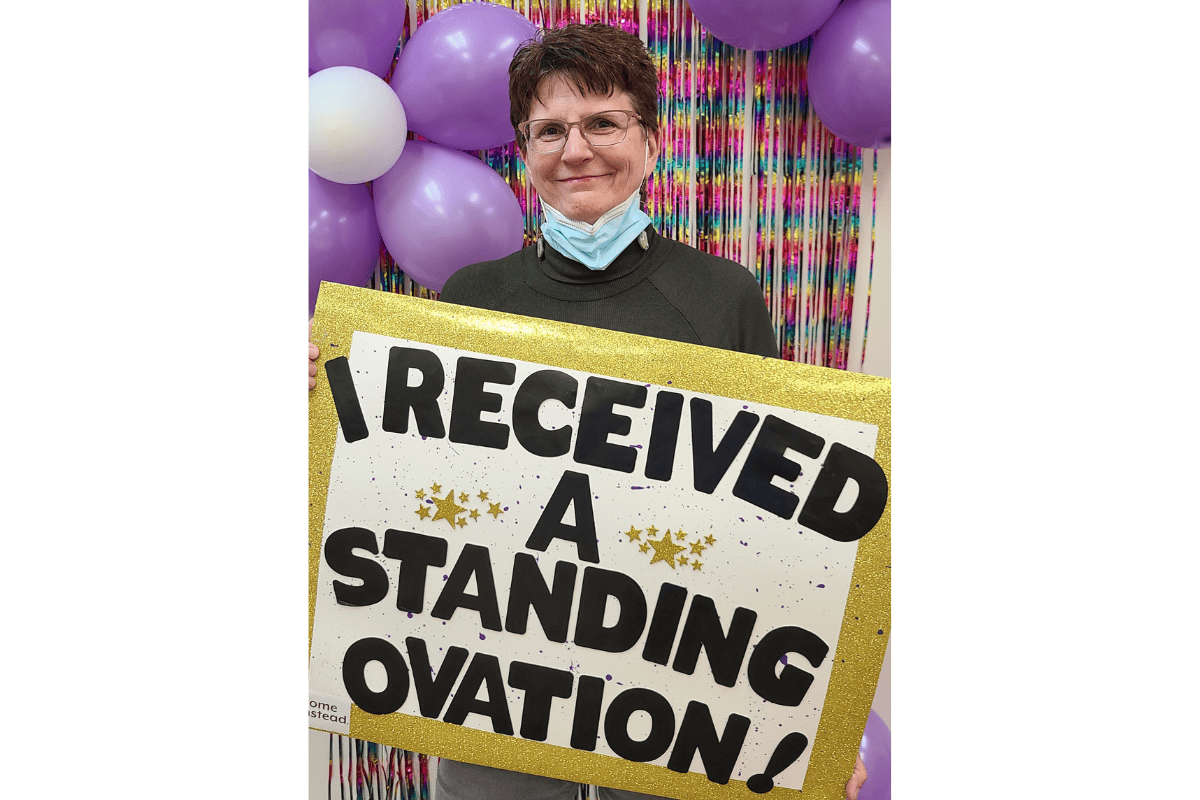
x=576 y=146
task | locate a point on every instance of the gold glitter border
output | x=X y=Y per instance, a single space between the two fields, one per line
x=340 y=310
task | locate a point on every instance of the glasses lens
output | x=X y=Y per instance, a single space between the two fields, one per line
x=605 y=128
x=546 y=134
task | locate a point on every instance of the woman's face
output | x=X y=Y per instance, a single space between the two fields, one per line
x=580 y=180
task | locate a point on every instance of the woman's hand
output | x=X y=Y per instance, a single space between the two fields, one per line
x=313 y=352
x=856 y=780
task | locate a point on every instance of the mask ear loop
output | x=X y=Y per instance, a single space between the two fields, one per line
x=643 y=240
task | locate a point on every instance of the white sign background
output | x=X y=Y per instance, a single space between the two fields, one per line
x=788 y=575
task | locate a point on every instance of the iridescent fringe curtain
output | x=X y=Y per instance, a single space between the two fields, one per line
x=360 y=770
x=747 y=171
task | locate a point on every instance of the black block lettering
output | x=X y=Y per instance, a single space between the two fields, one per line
x=543 y=385
x=416 y=553
x=432 y=690
x=698 y=734
x=354 y=665
x=843 y=464
x=345 y=399
x=703 y=630
x=708 y=464
x=585 y=727
x=470 y=400
x=483 y=669
x=665 y=622
x=573 y=487
x=598 y=586
x=597 y=421
x=529 y=590
x=662 y=724
x=399 y=397
x=339 y=556
x=664 y=435
x=474 y=560
x=789 y=686
x=766 y=460
x=786 y=752
x=541 y=685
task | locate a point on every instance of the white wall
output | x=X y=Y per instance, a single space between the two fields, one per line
x=878 y=360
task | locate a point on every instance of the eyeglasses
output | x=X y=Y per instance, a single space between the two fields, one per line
x=600 y=130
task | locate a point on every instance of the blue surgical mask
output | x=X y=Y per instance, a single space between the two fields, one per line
x=595 y=246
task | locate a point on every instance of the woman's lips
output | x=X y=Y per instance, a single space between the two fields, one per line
x=581 y=179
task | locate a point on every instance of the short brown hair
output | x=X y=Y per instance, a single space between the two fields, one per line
x=595 y=59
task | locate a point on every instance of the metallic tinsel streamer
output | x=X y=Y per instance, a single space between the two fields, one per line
x=871 y=267
x=377 y=771
x=410 y=792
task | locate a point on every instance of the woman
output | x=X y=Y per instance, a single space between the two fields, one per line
x=584 y=104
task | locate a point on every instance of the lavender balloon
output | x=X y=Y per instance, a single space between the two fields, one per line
x=762 y=24
x=343 y=237
x=452 y=75
x=441 y=209
x=876 y=752
x=354 y=33
x=850 y=73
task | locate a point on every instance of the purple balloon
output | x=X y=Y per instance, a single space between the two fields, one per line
x=762 y=24
x=343 y=236
x=441 y=209
x=876 y=752
x=452 y=75
x=354 y=33
x=850 y=73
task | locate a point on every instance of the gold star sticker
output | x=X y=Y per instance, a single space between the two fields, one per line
x=633 y=533
x=664 y=549
x=482 y=496
x=420 y=494
x=680 y=535
x=495 y=510
x=474 y=514
x=698 y=548
x=437 y=487
x=447 y=509
x=463 y=497
x=645 y=548
x=683 y=562
x=462 y=522
x=696 y=564
x=423 y=512
x=709 y=539
x=652 y=530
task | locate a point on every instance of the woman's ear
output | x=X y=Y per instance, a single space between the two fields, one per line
x=651 y=152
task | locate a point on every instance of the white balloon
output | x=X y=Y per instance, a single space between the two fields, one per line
x=356 y=125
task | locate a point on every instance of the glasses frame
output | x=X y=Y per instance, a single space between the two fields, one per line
x=523 y=128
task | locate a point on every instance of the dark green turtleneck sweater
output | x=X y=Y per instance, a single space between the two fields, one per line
x=670 y=291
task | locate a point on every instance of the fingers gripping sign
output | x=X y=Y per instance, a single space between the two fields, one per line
x=313 y=353
x=856 y=780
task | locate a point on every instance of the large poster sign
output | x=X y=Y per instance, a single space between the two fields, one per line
x=593 y=555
